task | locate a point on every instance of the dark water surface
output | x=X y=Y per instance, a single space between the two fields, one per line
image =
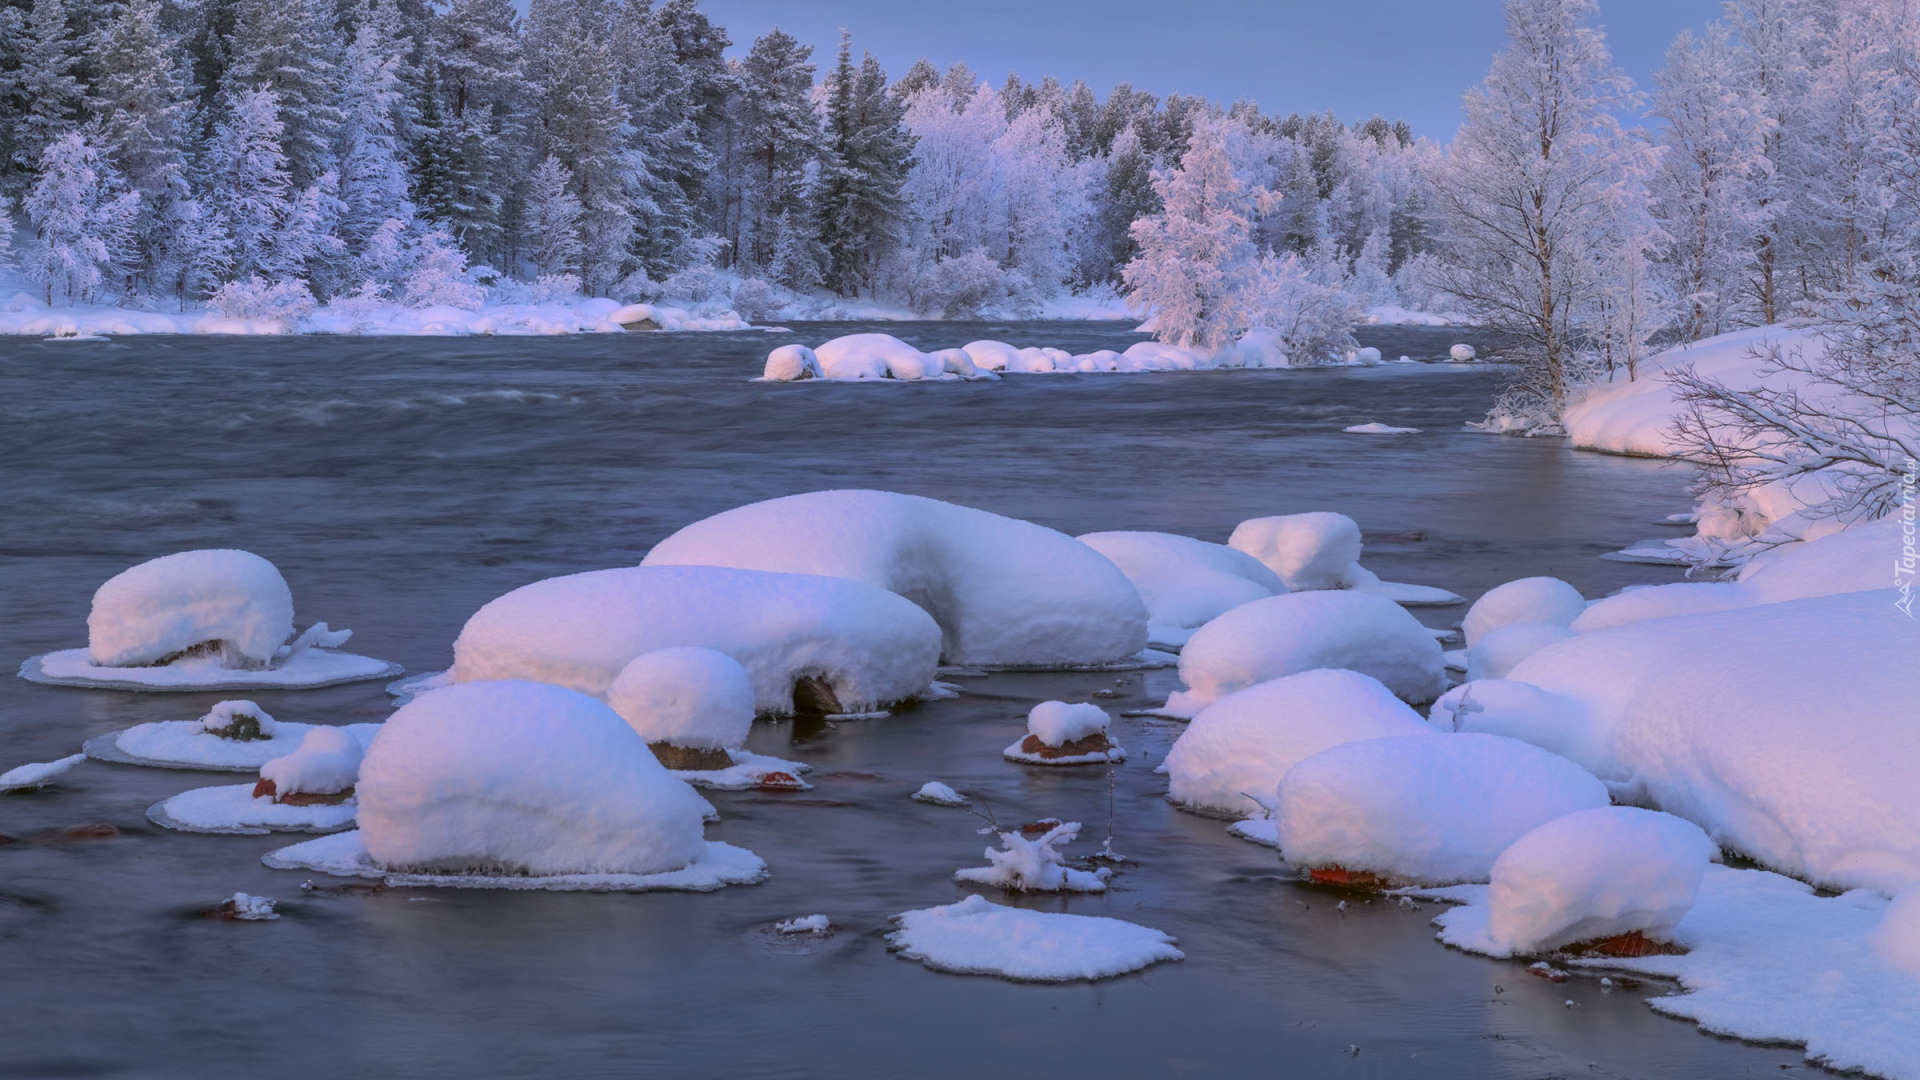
x=400 y=484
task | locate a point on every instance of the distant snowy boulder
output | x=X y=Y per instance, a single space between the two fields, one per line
x=1308 y=551
x=521 y=778
x=1460 y=354
x=1423 y=810
x=231 y=603
x=1593 y=875
x=687 y=698
x=1004 y=592
x=1185 y=582
x=1286 y=635
x=791 y=363
x=1528 y=600
x=874 y=356
x=1231 y=758
x=991 y=355
x=1499 y=650
x=863 y=646
x=1155 y=356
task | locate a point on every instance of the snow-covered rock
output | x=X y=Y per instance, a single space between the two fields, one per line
x=237 y=720
x=1521 y=711
x=1500 y=649
x=1785 y=730
x=1035 y=865
x=1004 y=592
x=1595 y=874
x=1462 y=353
x=1286 y=635
x=1374 y=427
x=187 y=744
x=1307 y=551
x=520 y=777
x=875 y=356
x=870 y=647
x=1066 y=733
x=1232 y=756
x=217 y=600
x=816 y=925
x=939 y=794
x=234 y=810
x=327 y=763
x=979 y=937
x=1528 y=600
x=1185 y=582
x=790 y=363
x=991 y=355
x=1424 y=810
x=686 y=696
x=37 y=774
x=1897 y=938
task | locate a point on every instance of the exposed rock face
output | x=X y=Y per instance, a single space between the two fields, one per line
x=268 y=789
x=1096 y=743
x=690 y=759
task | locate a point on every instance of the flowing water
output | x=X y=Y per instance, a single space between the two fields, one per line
x=400 y=484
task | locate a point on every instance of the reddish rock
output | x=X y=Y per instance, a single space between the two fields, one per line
x=264 y=788
x=690 y=759
x=99 y=830
x=781 y=781
x=1346 y=879
x=1630 y=944
x=1096 y=743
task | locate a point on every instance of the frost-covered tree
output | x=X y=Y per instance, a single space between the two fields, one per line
x=477 y=52
x=554 y=215
x=1125 y=195
x=293 y=48
x=1774 y=39
x=579 y=119
x=82 y=221
x=50 y=97
x=860 y=202
x=1527 y=189
x=1707 y=188
x=374 y=183
x=249 y=192
x=663 y=106
x=1198 y=270
x=779 y=137
x=142 y=99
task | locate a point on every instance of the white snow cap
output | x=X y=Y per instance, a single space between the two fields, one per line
x=1785 y=730
x=792 y=362
x=1308 y=551
x=1424 y=810
x=522 y=777
x=991 y=355
x=1004 y=591
x=33 y=774
x=1596 y=874
x=176 y=602
x=1528 y=600
x=1185 y=582
x=1500 y=649
x=874 y=356
x=580 y=631
x=1286 y=635
x=685 y=696
x=939 y=794
x=1462 y=353
x=327 y=763
x=979 y=937
x=1234 y=753
x=1058 y=722
x=220 y=718
x=1897 y=938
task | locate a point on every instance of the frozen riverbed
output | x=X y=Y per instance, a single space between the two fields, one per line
x=400 y=484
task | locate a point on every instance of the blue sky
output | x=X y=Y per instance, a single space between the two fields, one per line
x=1403 y=59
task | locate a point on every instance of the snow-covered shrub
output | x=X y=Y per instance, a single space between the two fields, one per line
x=756 y=300
x=1596 y=874
x=233 y=602
x=961 y=287
x=1234 y=753
x=1307 y=300
x=521 y=778
x=439 y=275
x=699 y=283
x=255 y=298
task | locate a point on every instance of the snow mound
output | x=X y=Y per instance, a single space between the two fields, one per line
x=1645 y=602
x=1424 y=810
x=248 y=908
x=345 y=855
x=231 y=602
x=1595 y=874
x=1185 y=582
x=789 y=363
x=1521 y=711
x=1376 y=428
x=232 y=809
x=867 y=646
x=1286 y=635
x=187 y=744
x=1231 y=758
x=327 y=763
x=749 y=770
x=978 y=937
x=1460 y=354
x=804 y=924
x=1059 y=733
x=36 y=774
x=1500 y=649
x=1785 y=730
x=1528 y=600
x=991 y=355
x=1897 y=938
x=521 y=778
x=875 y=356
x=241 y=720
x=308 y=669
x=685 y=696
x=1035 y=865
x=1307 y=551
x=939 y=794
x=1004 y=592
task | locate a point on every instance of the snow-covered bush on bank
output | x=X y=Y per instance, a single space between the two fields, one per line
x=1004 y=592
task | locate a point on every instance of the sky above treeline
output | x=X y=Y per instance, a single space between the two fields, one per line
x=1402 y=59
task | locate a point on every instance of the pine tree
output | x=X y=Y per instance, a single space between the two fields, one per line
x=1126 y=196
x=477 y=49
x=82 y=221
x=249 y=191
x=554 y=216
x=293 y=48
x=860 y=203
x=1197 y=263
x=659 y=94
x=143 y=104
x=699 y=49
x=780 y=137
x=374 y=185
x=581 y=121
x=50 y=95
